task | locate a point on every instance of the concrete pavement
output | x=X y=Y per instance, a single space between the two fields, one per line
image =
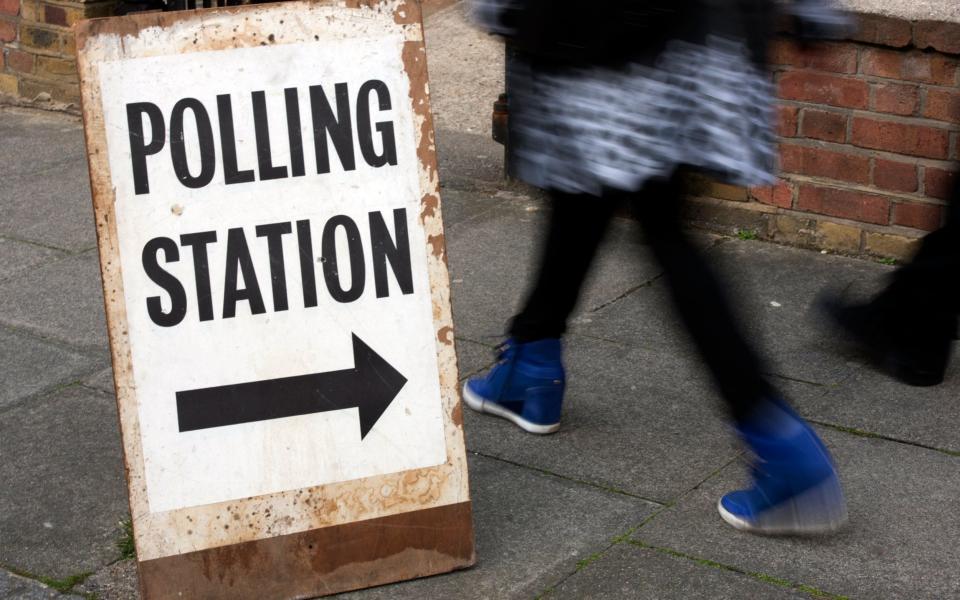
x=618 y=504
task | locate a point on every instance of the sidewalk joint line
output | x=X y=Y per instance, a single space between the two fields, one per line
x=61 y=344
x=598 y=486
x=761 y=577
x=13 y=238
x=625 y=536
x=797 y=380
x=64 y=586
x=645 y=284
x=880 y=436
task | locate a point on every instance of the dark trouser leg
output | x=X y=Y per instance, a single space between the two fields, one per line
x=924 y=295
x=700 y=300
x=577 y=225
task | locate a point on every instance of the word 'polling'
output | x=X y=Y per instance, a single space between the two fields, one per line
x=197 y=155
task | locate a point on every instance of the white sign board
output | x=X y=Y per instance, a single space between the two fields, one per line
x=266 y=194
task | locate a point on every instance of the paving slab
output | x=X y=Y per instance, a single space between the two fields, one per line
x=50 y=207
x=63 y=492
x=61 y=301
x=900 y=541
x=17 y=256
x=531 y=531
x=48 y=138
x=469 y=159
x=46 y=198
x=495 y=255
x=772 y=290
x=14 y=587
x=872 y=402
x=31 y=366
x=628 y=571
x=466 y=72
x=459 y=206
x=634 y=420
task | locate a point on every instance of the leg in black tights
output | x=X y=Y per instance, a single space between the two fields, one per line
x=700 y=300
x=576 y=229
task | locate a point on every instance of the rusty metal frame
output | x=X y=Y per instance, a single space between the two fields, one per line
x=306 y=542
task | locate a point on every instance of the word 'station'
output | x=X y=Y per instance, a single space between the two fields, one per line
x=330 y=123
x=239 y=264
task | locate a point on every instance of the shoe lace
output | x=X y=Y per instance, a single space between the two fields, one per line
x=504 y=350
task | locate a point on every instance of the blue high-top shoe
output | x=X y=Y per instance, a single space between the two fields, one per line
x=796 y=489
x=525 y=387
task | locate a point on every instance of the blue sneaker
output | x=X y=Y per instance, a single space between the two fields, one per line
x=525 y=387
x=796 y=489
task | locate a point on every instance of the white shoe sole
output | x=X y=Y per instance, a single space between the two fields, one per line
x=821 y=509
x=478 y=404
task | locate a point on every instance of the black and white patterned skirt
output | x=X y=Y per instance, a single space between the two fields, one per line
x=584 y=129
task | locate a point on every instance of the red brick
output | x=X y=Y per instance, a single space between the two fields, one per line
x=824 y=56
x=918 y=216
x=54 y=15
x=902 y=138
x=942 y=105
x=823 y=125
x=846 y=204
x=910 y=66
x=10 y=7
x=938 y=183
x=896 y=176
x=8 y=32
x=895 y=98
x=780 y=194
x=787 y=117
x=818 y=162
x=824 y=89
x=20 y=61
x=883 y=31
x=938 y=35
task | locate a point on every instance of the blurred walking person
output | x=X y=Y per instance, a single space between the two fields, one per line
x=908 y=329
x=618 y=100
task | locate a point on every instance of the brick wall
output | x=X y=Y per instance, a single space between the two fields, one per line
x=868 y=132
x=37 y=46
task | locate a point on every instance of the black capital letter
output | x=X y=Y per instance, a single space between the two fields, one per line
x=278 y=273
x=170 y=284
x=139 y=150
x=340 y=127
x=385 y=128
x=294 y=135
x=238 y=255
x=228 y=143
x=201 y=269
x=384 y=249
x=308 y=274
x=208 y=157
x=262 y=130
x=331 y=272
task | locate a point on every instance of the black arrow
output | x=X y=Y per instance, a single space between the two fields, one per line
x=370 y=386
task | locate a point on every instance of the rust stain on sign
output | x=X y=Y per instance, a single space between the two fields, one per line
x=298 y=542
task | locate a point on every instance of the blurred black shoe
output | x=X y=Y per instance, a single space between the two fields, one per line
x=915 y=353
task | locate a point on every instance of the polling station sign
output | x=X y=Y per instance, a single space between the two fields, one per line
x=272 y=252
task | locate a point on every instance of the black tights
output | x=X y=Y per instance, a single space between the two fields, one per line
x=577 y=225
